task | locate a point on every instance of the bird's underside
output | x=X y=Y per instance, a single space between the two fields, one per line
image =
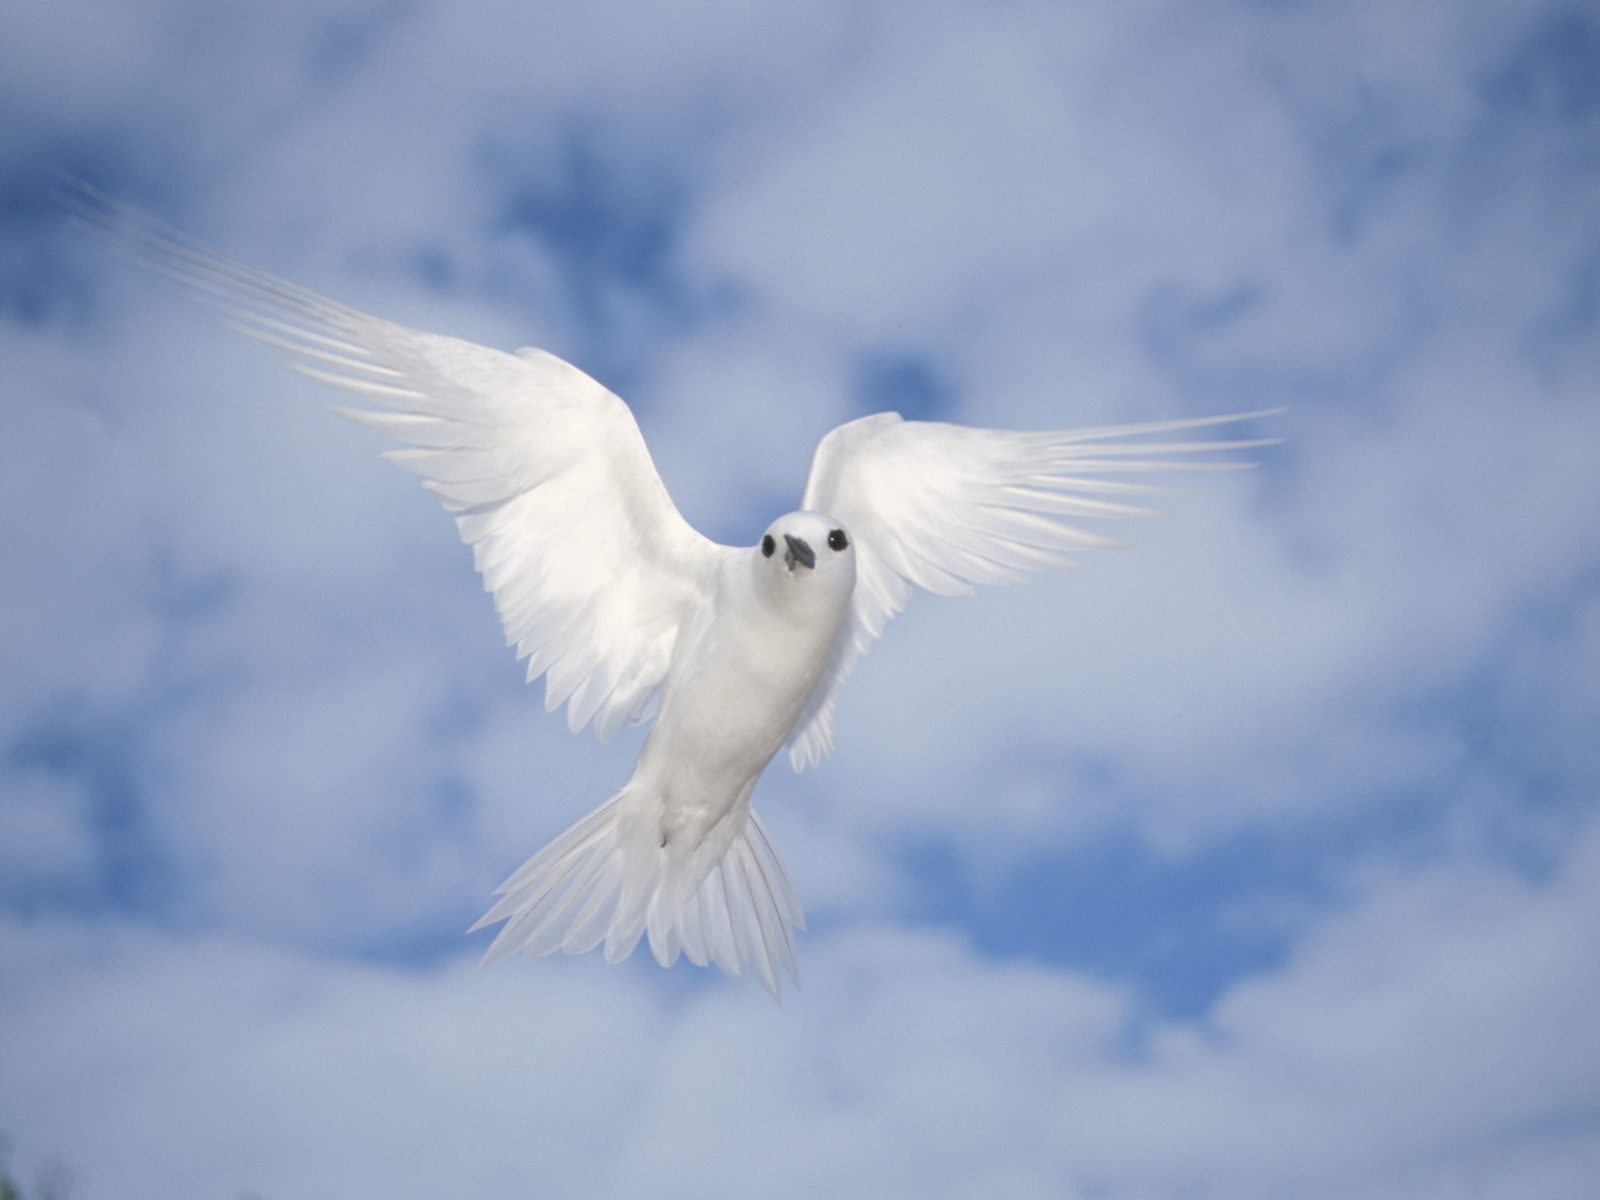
x=631 y=615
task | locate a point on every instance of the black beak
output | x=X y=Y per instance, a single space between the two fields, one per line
x=799 y=552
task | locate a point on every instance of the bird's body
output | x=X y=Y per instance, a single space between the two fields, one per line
x=744 y=667
x=630 y=614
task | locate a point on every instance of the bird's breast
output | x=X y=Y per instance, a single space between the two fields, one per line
x=736 y=688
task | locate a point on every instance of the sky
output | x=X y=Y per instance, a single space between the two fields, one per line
x=1259 y=859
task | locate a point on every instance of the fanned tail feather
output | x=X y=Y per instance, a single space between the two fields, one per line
x=608 y=880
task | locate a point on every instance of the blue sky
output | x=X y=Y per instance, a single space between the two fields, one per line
x=1259 y=859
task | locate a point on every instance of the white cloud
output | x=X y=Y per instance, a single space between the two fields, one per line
x=66 y=628
x=44 y=830
x=1244 y=653
x=1422 y=1035
x=1099 y=215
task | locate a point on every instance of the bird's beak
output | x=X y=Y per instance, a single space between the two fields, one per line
x=799 y=552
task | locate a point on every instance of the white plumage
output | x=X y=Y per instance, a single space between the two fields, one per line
x=630 y=614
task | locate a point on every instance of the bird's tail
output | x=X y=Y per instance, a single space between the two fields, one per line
x=608 y=879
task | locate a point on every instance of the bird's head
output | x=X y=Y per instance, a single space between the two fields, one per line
x=807 y=555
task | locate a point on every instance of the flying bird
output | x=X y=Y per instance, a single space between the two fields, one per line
x=633 y=616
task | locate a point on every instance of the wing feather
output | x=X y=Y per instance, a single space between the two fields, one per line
x=592 y=569
x=943 y=507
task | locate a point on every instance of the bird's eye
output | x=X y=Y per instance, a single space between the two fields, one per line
x=837 y=540
x=768 y=546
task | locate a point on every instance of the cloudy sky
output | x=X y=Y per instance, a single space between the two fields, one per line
x=1260 y=859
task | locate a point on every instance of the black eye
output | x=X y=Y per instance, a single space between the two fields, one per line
x=768 y=546
x=837 y=540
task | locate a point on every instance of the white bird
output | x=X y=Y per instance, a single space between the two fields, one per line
x=630 y=614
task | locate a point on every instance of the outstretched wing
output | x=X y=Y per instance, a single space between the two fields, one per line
x=592 y=568
x=944 y=507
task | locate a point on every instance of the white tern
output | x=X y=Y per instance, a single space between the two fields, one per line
x=632 y=615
